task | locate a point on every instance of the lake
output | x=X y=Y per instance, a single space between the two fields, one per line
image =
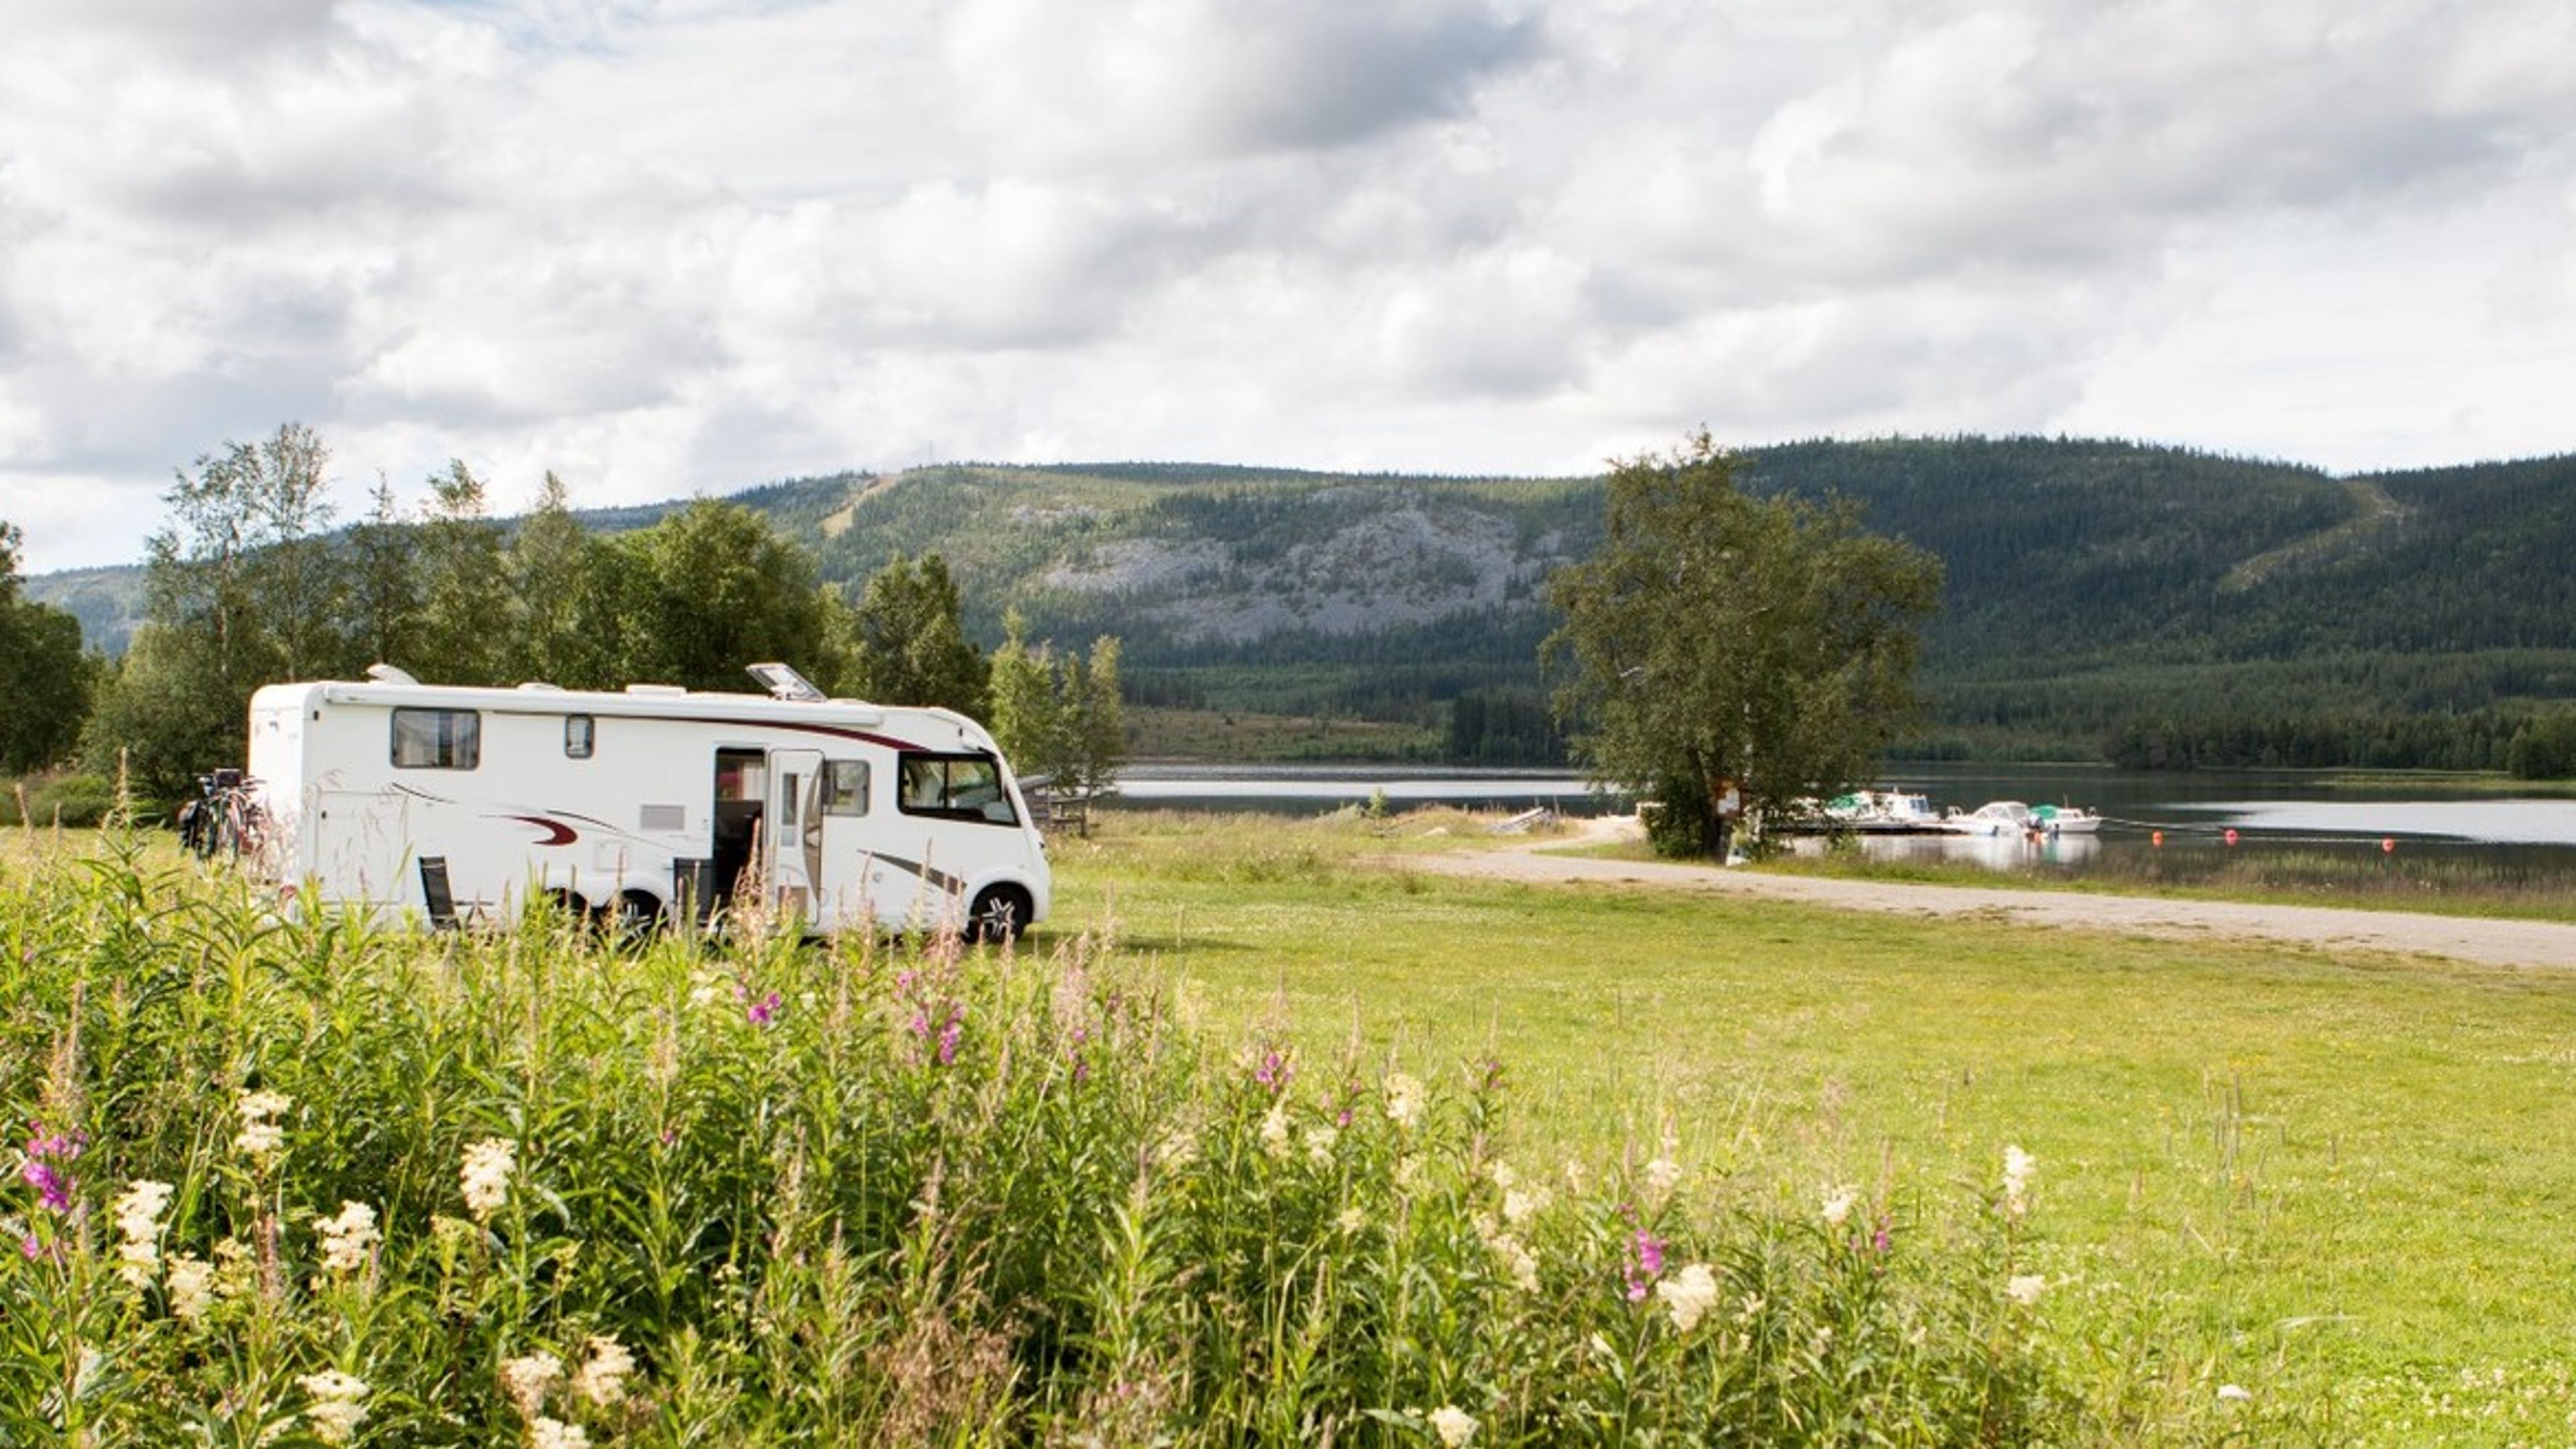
x=2179 y=816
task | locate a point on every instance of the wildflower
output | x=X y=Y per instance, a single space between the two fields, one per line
x=1689 y=1294
x=951 y=1034
x=1319 y=1144
x=260 y=1138
x=485 y=1176
x=138 y=1217
x=191 y=1285
x=602 y=1378
x=1662 y=1176
x=236 y=1271
x=763 y=1011
x=1522 y=1204
x=1273 y=1072
x=1179 y=1148
x=348 y=1238
x=2019 y=1168
x=528 y=1380
x=1645 y=1264
x=1274 y=1132
x=545 y=1433
x=337 y=1405
x=1503 y=1175
x=46 y=1169
x=1518 y=1260
x=1838 y=1204
x=1454 y=1425
x=1403 y=1100
x=1351 y=1219
x=2025 y=1288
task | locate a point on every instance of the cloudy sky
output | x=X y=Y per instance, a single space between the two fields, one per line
x=670 y=247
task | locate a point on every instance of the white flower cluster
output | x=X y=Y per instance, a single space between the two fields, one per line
x=602 y=1377
x=1405 y=1102
x=528 y=1380
x=2019 y=1169
x=191 y=1286
x=348 y=1239
x=261 y=1137
x=545 y=1433
x=338 y=1405
x=1274 y=1132
x=1839 y=1201
x=485 y=1176
x=138 y=1219
x=1454 y=1425
x=1688 y=1295
x=2025 y=1288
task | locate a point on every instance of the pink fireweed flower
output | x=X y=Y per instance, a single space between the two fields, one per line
x=951 y=1034
x=763 y=1011
x=47 y=1167
x=1273 y=1072
x=1645 y=1264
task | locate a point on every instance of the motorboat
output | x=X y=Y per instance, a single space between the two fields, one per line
x=1995 y=817
x=2012 y=817
x=2063 y=820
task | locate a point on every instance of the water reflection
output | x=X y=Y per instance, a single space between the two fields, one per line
x=1995 y=852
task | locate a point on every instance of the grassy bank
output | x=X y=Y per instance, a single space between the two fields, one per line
x=2343 y=1170
x=2356 y=876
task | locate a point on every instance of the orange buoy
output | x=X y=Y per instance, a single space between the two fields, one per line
x=2388 y=845
x=2231 y=835
x=2157 y=840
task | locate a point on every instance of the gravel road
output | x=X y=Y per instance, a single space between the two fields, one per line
x=2456 y=938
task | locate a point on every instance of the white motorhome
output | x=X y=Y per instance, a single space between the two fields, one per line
x=456 y=803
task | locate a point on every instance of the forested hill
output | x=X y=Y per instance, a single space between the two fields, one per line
x=2164 y=604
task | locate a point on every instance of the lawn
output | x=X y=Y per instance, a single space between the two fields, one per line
x=2349 y=1172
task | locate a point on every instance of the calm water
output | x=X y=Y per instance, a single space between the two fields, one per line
x=2512 y=837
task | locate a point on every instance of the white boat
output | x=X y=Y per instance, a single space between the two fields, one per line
x=1996 y=817
x=2012 y=817
x=1884 y=812
x=2064 y=820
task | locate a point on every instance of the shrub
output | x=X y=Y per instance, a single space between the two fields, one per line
x=318 y=1182
x=74 y=800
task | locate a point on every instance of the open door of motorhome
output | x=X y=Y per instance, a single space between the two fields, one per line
x=792 y=843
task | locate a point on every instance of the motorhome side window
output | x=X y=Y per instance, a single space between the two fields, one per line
x=581 y=735
x=437 y=739
x=845 y=787
x=955 y=787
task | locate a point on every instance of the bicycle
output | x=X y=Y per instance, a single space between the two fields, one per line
x=225 y=818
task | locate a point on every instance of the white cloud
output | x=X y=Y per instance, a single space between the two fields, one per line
x=671 y=246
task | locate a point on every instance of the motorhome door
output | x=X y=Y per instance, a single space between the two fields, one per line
x=792 y=835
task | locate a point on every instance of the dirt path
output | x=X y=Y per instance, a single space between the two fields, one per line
x=2457 y=938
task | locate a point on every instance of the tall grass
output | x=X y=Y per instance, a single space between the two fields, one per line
x=524 y=1187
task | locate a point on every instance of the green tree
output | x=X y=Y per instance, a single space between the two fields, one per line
x=711 y=589
x=1725 y=655
x=1097 y=720
x=464 y=590
x=1023 y=712
x=911 y=642
x=240 y=590
x=383 y=587
x=44 y=676
x=549 y=636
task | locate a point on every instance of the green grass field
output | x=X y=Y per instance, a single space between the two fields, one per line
x=2350 y=1175
x=2336 y=1184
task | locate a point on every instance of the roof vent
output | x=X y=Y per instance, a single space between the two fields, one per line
x=388 y=674
x=658 y=691
x=785 y=683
